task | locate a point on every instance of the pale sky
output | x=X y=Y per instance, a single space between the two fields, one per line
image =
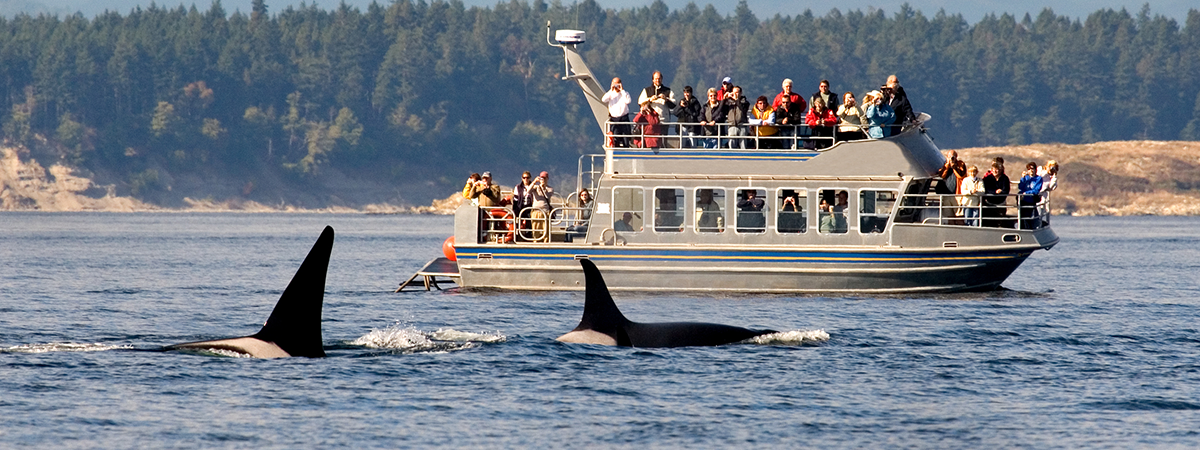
x=972 y=10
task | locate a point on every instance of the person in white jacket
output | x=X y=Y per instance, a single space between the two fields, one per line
x=618 y=100
x=969 y=194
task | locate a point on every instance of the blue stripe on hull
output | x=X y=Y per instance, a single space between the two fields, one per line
x=658 y=255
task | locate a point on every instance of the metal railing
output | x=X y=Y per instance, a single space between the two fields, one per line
x=1032 y=211
x=690 y=135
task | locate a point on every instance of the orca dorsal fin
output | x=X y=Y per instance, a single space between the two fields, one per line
x=295 y=323
x=600 y=313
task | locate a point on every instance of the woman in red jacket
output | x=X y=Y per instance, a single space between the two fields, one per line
x=821 y=120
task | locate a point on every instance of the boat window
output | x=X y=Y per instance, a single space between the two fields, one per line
x=628 y=209
x=874 y=208
x=831 y=207
x=752 y=210
x=668 y=210
x=790 y=205
x=710 y=210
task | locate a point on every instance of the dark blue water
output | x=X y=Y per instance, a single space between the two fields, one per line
x=1094 y=344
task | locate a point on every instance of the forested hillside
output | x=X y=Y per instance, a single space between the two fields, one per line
x=398 y=103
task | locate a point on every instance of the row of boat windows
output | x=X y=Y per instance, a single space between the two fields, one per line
x=786 y=211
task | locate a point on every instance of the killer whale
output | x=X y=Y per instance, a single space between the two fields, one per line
x=603 y=324
x=294 y=327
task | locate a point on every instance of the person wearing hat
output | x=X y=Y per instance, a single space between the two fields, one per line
x=725 y=90
x=540 y=192
x=484 y=193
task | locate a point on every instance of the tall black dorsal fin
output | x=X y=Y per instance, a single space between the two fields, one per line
x=295 y=324
x=600 y=313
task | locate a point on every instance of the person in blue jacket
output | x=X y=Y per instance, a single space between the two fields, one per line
x=1030 y=188
x=879 y=115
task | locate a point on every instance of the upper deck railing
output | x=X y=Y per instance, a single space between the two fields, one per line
x=690 y=135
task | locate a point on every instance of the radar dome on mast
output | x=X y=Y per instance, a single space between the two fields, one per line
x=569 y=37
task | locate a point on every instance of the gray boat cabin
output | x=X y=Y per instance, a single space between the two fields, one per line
x=806 y=214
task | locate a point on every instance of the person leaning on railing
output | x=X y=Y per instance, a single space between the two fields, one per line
x=762 y=118
x=821 y=120
x=1030 y=188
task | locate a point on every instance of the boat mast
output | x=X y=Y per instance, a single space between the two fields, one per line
x=575 y=69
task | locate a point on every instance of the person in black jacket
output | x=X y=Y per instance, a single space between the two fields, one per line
x=894 y=96
x=788 y=116
x=712 y=115
x=996 y=186
x=687 y=110
x=737 y=115
x=831 y=99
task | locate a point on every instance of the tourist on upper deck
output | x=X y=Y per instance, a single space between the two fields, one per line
x=996 y=186
x=1030 y=188
x=895 y=97
x=737 y=110
x=618 y=102
x=969 y=191
x=712 y=116
x=658 y=97
x=821 y=120
x=688 y=111
x=725 y=89
x=787 y=117
x=852 y=118
x=832 y=101
x=647 y=124
x=467 y=188
x=762 y=118
x=879 y=115
x=796 y=100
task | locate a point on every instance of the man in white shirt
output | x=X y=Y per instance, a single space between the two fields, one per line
x=618 y=101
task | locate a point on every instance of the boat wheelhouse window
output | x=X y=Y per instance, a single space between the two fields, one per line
x=628 y=207
x=831 y=211
x=874 y=209
x=668 y=210
x=751 y=210
x=710 y=210
x=790 y=206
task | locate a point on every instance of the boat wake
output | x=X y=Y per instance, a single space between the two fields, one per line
x=412 y=340
x=62 y=347
x=794 y=337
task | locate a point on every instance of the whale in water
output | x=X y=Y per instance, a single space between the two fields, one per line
x=604 y=324
x=294 y=327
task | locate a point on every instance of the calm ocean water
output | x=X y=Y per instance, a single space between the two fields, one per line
x=1093 y=344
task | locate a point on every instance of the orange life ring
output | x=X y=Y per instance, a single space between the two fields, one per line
x=506 y=216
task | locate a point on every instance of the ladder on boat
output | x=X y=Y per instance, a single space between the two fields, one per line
x=438 y=267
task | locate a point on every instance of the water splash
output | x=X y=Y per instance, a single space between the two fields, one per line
x=794 y=337
x=412 y=340
x=62 y=347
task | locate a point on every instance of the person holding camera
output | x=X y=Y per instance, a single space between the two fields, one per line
x=688 y=111
x=895 y=97
x=618 y=101
x=879 y=115
x=540 y=192
x=737 y=115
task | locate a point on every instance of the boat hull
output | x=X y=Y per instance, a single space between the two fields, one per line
x=741 y=270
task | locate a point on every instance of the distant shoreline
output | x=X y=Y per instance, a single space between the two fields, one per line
x=1119 y=178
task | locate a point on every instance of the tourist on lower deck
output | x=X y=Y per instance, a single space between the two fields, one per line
x=1030 y=188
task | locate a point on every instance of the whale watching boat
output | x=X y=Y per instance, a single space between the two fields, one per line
x=835 y=215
